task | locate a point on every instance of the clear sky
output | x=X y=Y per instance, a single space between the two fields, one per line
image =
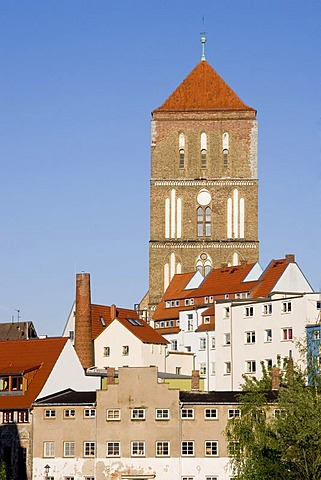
x=78 y=80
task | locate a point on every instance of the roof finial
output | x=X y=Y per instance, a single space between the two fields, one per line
x=203 y=40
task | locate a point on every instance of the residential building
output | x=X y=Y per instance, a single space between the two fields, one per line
x=136 y=429
x=114 y=337
x=17 y=331
x=204 y=184
x=228 y=318
x=30 y=369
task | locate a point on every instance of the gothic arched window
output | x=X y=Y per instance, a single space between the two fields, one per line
x=225 y=142
x=203 y=150
x=204 y=264
x=181 y=146
x=204 y=222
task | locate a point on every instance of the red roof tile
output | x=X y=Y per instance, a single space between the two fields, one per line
x=269 y=278
x=18 y=356
x=203 y=89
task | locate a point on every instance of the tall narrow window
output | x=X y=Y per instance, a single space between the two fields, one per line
x=204 y=222
x=203 y=150
x=235 y=215
x=181 y=144
x=225 y=144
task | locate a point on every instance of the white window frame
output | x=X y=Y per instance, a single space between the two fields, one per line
x=162 y=444
x=250 y=337
x=162 y=414
x=187 y=448
x=267 y=309
x=210 y=413
x=287 y=334
x=113 y=415
x=202 y=343
x=233 y=413
x=89 y=449
x=114 y=446
x=250 y=366
x=268 y=334
x=286 y=307
x=137 y=448
x=213 y=343
x=138 y=414
x=207 y=319
x=69 y=449
x=49 y=449
x=226 y=312
x=210 y=445
x=227 y=368
x=227 y=338
x=89 y=413
x=249 y=311
x=106 y=351
x=69 y=413
x=125 y=350
x=203 y=368
x=50 y=413
x=187 y=414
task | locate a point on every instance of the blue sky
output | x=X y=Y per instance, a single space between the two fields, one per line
x=78 y=80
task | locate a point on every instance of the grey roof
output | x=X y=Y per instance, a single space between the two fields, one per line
x=68 y=397
x=219 y=397
x=17 y=331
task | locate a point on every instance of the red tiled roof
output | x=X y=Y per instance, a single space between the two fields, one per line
x=144 y=331
x=269 y=278
x=18 y=356
x=221 y=281
x=203 y=89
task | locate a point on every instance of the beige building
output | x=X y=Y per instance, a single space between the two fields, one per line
x=204 y=185
x=136 y=429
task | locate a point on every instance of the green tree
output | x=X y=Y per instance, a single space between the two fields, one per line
x=278 y=435
x=3 y=473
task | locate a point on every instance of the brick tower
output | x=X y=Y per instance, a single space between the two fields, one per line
x=204 y=186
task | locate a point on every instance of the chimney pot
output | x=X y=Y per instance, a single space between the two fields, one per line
x=290 y=258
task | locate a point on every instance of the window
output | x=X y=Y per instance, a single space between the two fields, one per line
x=125 y=350
x=248 y=312
x=69 y=478
x=233 y=448
x=89 y=478
x=227 y=368
x=287 y=333
x=7 y=417
x=89 y=449
x=138 y=414
x=23 y=416
x=226 y=312
x=69 y=449
x=113 y=449
x=187 y=478
x=250 y=366
x=211 y=448
x=268 y=335
x=319 y=305
x=188 y=348
x=187 y=449
x=207 y=319
x=106 y=352
x=181 y=145
x=48 y=449
x=212 y=368
x=89 y=413
x=178 y=370
x=69 y=413
x=205 y=299
x=204 y=221
x=162 y=449
x=138 y=449
x=211 y=299
x=50 y=413
x=203 y=149
x=187 y=413
x=211 y=478
x=202 y=343
x=202 y=367
x=225 y=158
x=210 y=414
x=286 y=307
x=213 y=343
x=268 y=363
x=227 y=339
x=316 y=334
x=278 y=412
x=174 y=345
x=250 y=337
x=190 y=324
x=233 y=413
x=267 y=309
x=113 y=414
x=72 y=335
x=162 y=414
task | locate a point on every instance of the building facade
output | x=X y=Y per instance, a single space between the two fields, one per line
x=204 y=185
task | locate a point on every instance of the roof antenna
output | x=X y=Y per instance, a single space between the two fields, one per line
x=203 y=40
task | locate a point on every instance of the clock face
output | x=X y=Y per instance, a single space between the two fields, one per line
x=204 y=198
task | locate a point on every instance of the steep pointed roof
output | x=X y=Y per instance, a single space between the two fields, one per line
x=203 y=89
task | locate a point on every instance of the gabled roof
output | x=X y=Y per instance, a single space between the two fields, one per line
x=37 y=356
x=269 y=278
x=17 y=331
x=129 y=319
x=203 y=89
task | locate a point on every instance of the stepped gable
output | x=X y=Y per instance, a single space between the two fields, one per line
x=33 y=357
x=269 y=278
x=203 y=89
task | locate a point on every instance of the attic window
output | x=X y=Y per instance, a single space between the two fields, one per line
x=134 y=322
x=11 y=383
x=102 y=321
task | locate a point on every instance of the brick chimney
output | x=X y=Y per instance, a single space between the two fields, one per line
x=290 y=258
x=83 y=332
x=195 y=380
x=110 y=375
x=113 y=312
x=275 y=378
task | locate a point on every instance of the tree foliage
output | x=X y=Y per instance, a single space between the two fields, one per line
x=278 y=435
x=3 y=473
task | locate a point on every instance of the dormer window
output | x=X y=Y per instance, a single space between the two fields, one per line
x=11 y=383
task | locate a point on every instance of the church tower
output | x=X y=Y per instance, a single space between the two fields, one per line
x=204 y=186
